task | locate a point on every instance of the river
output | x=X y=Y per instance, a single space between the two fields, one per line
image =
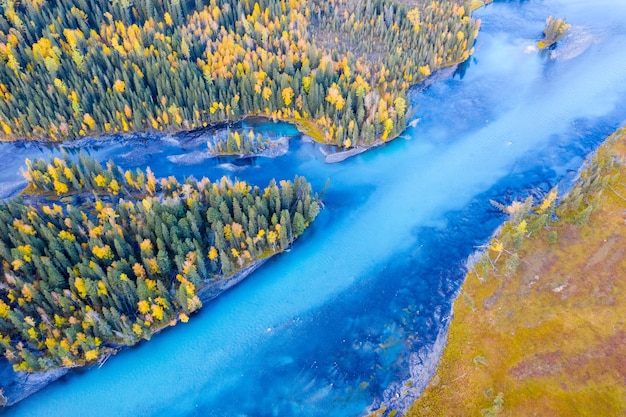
x=330 y=327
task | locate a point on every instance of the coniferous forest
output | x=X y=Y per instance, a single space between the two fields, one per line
x=125 y=254
x=339 y=69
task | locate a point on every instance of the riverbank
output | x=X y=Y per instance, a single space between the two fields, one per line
x=135 y=302
x=538 y=329
x=17 y=386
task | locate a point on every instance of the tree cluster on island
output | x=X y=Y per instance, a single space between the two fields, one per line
x=339 y=69
x=554 y=31
x=124 y=254
x=241 y=143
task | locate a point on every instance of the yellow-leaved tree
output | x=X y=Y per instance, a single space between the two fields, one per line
x=119 y=86
x=287 y=95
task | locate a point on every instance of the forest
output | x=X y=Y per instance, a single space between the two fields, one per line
x=339 y=69
x=125 y=254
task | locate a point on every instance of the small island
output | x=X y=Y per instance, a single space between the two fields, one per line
x=95 y=258
x=554 y=32
x=246 y=144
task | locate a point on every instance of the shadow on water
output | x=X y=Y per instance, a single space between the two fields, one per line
x=463 y=67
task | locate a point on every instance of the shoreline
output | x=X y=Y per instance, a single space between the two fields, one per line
x=436 y=76
x=400 y=396
x=23 y=384
x=305 y=127
x=517 y=361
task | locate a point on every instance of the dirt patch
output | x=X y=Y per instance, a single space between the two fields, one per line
x=606 y=358
x=535 y=271
x=606 y=248
x=538 y=365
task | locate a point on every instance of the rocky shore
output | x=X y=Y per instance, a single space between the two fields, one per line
x=19 y=385
x=399 y=396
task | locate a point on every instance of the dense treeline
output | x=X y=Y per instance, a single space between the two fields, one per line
x=90 y=66
x=126 y=255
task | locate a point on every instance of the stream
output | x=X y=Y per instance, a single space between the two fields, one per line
x=360 y=305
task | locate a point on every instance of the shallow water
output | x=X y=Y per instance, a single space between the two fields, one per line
x=327 y=328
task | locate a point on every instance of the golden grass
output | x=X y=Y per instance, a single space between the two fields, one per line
x=309 y=128
x=549 y=339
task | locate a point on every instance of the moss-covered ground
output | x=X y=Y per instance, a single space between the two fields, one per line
x=539 y=326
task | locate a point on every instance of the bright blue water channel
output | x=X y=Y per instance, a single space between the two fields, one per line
x=328 y=328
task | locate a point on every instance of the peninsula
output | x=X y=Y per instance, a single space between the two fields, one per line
x=339 y=70
x=123 y=255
